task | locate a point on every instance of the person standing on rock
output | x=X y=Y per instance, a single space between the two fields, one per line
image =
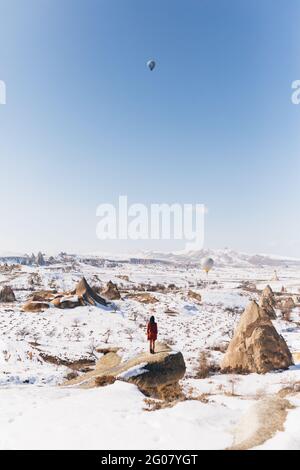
x=152 y=333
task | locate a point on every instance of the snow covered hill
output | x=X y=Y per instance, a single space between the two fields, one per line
x=223 y=257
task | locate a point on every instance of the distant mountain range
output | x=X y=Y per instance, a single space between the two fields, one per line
x=221 y=257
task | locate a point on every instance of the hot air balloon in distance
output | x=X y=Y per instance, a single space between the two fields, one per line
x=151 y=64
x=207 y=264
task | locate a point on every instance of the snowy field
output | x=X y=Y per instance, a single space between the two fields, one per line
x=36 y=412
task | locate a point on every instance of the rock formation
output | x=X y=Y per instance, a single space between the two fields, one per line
x=287 y=304
x=82 y=295
x=256 y=346
x=111 y=291
x=40 y=259
x=66 y=301
x=150 y=372
x=267 y=301
x=87 y=295
x=7 y=294
x=144 y=298
x=43 y=296
x=194 y=296
x=35 y=306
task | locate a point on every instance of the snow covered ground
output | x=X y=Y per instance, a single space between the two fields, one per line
x=36 y=412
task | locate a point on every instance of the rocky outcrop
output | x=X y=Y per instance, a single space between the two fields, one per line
x=150 y=372
x=111 y=291
x=194 y=296
x=35 y=306
x=256 y=346
x=43 y=296
x=87 y=295
x=268 y=294
x=82 y=295
x=267 y=301
x=286 y=304
x=67 y=301
x=144 y=298
x=40 y=259
x=167 y=369
x=7 y=294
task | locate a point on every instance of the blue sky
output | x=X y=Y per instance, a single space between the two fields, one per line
x=85 y=121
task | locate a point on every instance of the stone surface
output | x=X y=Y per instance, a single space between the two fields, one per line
x=150 y=372
x=7 y=294
x=194 y=296
x=111 y=291
x=35 y=306
x=267 y=301
x=256 y=346
x=87 y=294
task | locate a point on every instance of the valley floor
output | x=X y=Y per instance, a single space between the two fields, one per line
x=37 y=412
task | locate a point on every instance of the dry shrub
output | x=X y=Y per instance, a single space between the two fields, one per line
x=233 y=381
x=104 y=380
x=205 y=366
x=203 y=397
x=166 y=397
x=71 y=375
x=171 y=396
x=220 y=347
x=171 y=393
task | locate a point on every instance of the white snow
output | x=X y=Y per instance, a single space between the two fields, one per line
x=133 y=371
x=111 y=417
x=35 y=412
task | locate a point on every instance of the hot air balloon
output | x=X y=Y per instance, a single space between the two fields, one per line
x=207 y=264
x=151 y=64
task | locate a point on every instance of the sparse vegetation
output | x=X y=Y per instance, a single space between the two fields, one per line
x=104 y=380
x=205 y=366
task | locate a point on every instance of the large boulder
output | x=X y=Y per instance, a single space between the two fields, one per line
x=267 y=301
x=256 y=346
x=268 y=294
x=167 y=369
x=87 y=295
x=43 y=296
x=150 y=372
x=287 y=304
x=7 y=294
x=111 y=291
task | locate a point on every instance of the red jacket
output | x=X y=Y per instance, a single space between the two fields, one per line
x=152 y=331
